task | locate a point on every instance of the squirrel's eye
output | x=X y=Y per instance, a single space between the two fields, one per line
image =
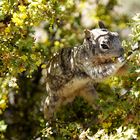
x=104 y=47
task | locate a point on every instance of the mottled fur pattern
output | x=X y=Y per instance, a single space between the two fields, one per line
x=73 y=71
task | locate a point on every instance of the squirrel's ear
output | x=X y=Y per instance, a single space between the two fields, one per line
x=101 y=25
x=87 y=34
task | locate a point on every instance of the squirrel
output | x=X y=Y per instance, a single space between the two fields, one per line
x=73 y=71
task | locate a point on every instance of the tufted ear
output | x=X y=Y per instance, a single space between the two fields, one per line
x=87 y=34
x=101 y=25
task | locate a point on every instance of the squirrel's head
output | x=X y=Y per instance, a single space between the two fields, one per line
x=104 y=44
x=101 y=55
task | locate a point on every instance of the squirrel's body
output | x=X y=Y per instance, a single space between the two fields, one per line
x=73 y=71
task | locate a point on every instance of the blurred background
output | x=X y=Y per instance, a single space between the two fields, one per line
x=30 y=32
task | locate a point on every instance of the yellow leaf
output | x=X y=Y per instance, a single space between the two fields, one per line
x=24 y=57
x=23 y=16
x=38 y=62
x=33 y=56
x=22 y=8
x=21 y=69
x=57 y=43
x=7 y=30
x=43 y=66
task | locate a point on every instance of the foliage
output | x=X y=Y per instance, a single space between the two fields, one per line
x=30 y=31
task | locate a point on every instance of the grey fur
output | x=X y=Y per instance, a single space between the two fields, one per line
x=73 y=71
